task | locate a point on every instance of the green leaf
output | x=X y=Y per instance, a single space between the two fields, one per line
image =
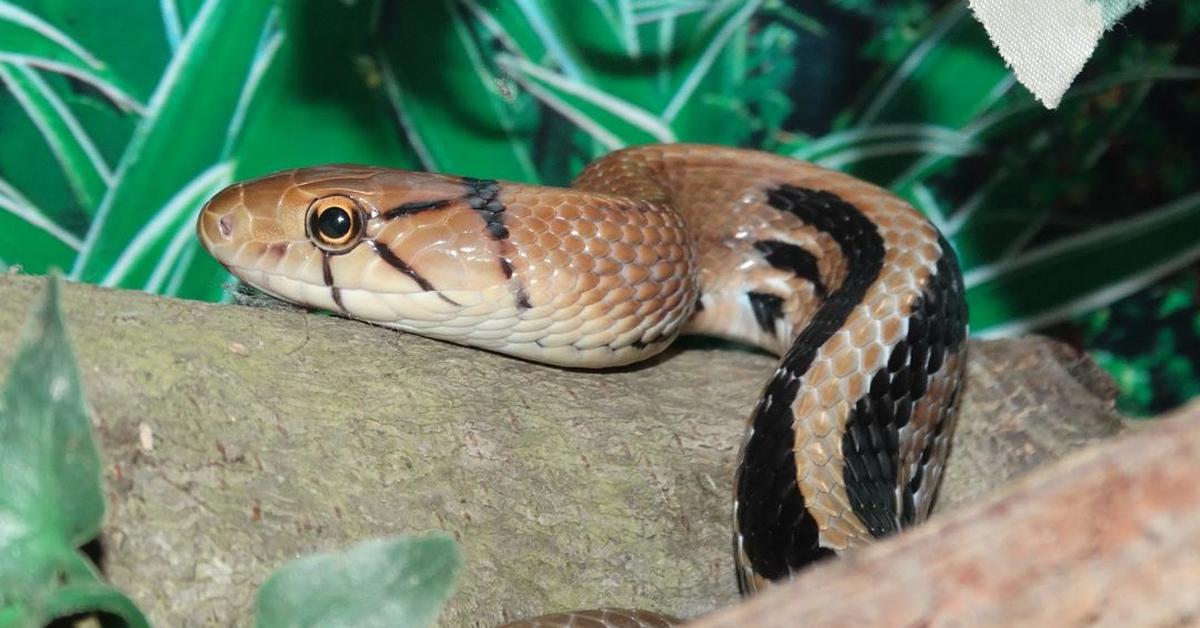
x=48 y=458
x=198 y=94
x=27 y=38
x=85 y=169
x=328 y=101
x=51 y=500
x=400 y=582
x=77 y=598
x=837 y=150
x=722 y=22
x=608 y=119
x=947 y=79
x=1086 y=271
x=55 y=582
x=991 y=126
x=452 y=132
x=162 y=238
x=15 y=203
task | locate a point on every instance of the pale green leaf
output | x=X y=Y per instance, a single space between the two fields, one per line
x=394 y=583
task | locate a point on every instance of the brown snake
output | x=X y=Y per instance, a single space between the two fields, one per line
x=853 y=287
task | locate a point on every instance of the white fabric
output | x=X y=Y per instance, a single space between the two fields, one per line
x=1046 y=42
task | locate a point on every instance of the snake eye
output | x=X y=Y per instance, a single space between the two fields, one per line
x=335 y=223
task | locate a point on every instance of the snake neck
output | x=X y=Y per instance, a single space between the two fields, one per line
x=863 y=300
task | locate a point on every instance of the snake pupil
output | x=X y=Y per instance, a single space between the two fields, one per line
x=334 y=223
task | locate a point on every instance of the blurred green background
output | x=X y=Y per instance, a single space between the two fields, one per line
x=117 y=119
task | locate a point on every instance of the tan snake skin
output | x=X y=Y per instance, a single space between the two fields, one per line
x=853 y=287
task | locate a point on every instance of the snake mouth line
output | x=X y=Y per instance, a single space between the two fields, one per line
x=262 y=280
x=257 y=277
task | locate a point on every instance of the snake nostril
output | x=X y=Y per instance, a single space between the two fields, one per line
x=225 y=225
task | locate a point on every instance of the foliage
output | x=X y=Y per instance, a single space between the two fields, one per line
x=50 y=501
x=110 y=145
x=1157 y=375
x=399 y=583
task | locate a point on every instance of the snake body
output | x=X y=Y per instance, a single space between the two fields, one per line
x=858 y=293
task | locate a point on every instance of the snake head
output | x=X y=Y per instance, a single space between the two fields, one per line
x=561 y=276
x=372 y=243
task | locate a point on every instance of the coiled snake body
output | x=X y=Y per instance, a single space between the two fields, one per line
x=853 y=287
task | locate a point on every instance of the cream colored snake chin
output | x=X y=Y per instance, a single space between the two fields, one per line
x=857 y=292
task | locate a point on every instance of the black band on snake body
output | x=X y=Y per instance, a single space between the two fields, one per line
x=483 y=197
x=778 y=534
x=794 y=259
x=768 y=309
x=937 y=328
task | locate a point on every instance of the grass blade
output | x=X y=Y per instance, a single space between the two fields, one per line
x=855 y=154
x=704 y=63
x=190 y=107
x=536 y=17
x=28 y=39
x=1087 y=270
x=15 y=203
x=172 y=25
x=176 y=214
x=618 y=118
x=858 y=136
x=85 y=170
x=936 y=66
x=478 y=135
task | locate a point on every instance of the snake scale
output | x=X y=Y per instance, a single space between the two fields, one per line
x=858 y=293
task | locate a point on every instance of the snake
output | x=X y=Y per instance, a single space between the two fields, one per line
x=856 y=291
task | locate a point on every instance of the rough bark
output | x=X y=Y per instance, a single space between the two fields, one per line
x=237 y=438
x=1108 y=537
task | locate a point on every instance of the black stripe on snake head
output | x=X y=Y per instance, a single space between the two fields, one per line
x=523 y=299
x=777 y=532
x=522 y=296
x=416 y=207
x=794 y=259
x=871 y=444
x=327 y=275
x=394 y=261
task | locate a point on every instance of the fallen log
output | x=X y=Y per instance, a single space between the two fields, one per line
x=237 y=438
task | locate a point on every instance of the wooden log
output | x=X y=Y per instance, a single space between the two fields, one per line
x=237 y=438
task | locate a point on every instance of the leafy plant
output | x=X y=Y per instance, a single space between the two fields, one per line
x=1157 y=375
x=112 y=143
x=109 y=146
x=51 y=503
